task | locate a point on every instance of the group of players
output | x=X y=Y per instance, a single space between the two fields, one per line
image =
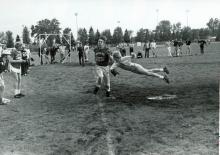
x=177 y=48
x=17 y=61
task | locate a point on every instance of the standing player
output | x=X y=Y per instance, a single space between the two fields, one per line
x=168 y=45
x=15 y=67
x=180 y=44
x=102 y=59
x=188 y=49
x=175 y=44
x=146 y=48
x=126 y=64
x=3 y=67
x=202 y=43
x=81 y=54
x=86 y=49
x=153 y=47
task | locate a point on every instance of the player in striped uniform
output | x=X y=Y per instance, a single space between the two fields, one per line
x=102 y=59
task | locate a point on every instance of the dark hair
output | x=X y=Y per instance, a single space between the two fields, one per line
x=103 y=38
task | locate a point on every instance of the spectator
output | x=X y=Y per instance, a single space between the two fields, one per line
x=153 y=47
x=202 y=43
x=188 y=49
x=15 y=67
x=81 y=54
x=146 y=49
x=86 y=49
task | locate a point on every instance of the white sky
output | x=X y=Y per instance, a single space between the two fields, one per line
x=104 y=14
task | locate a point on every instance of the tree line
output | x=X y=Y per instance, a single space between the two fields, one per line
x=164 y=31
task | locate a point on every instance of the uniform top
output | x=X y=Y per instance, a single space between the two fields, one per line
x=86 y=47
x=16 y=55
x=153 y=45
x=202 y=43
x=188 y=42
x=102 y=56
x=80 y=50
x=175 y=43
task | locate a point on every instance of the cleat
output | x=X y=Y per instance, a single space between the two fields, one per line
x=96 y=90
x=166 y=79
x=17 y=96
x=21 y=95
x=107 y=93
x=166 y=70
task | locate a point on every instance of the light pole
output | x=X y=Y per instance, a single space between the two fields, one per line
x=187 y=12
x=118 y=22
x=157 y=10
x=76 y=14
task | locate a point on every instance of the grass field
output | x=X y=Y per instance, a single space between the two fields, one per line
x=60 y=116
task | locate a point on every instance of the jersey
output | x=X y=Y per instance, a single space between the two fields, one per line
x=80 y=50
x=102 y=56
x=16 y=55
x=188 y=42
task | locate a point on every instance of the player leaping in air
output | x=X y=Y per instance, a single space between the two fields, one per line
x=126 y=64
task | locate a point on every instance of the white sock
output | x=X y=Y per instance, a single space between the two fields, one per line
x=19 y=91
x=16 y=91
x=161 y=76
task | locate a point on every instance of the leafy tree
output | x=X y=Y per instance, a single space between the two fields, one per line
x=164 y=30
x=203 y=33
x=2 y=37
x=213 y=25
x=46 y=26
x=218 y=33
x=17 y=38
x=186 y=33
x=195 y=34
x=82 y=35
x=117 y=35
x=97 y=35
x=140 y=35
x=107 y=34
x=147 y=35
x=91 y=37
x=26 y=36
x=10 y=40
x=176 y=31
x=127 y=36
x=66 y=33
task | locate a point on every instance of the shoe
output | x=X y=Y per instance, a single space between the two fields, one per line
x=166 y=79
x=107 y=93
x=166 y=70
x=17 y=96
x=96 y=90
x=21 y=95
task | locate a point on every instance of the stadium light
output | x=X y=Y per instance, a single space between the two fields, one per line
x=76 y=14
x=187 y=12
x=157 y=10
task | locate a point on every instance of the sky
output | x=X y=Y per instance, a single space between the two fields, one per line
x=106 y=14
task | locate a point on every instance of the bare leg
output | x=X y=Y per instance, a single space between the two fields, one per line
x=2 y=87
x=155 y=70
x=141 y=70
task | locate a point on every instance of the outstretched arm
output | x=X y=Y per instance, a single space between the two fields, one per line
x=113 y=69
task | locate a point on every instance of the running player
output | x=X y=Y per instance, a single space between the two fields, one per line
x=102 y=59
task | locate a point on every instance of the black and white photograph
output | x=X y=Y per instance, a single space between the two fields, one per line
x=109 y=77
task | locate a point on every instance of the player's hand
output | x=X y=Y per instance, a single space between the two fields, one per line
x=114 y=72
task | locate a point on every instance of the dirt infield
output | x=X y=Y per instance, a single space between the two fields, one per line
x=60 y=116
